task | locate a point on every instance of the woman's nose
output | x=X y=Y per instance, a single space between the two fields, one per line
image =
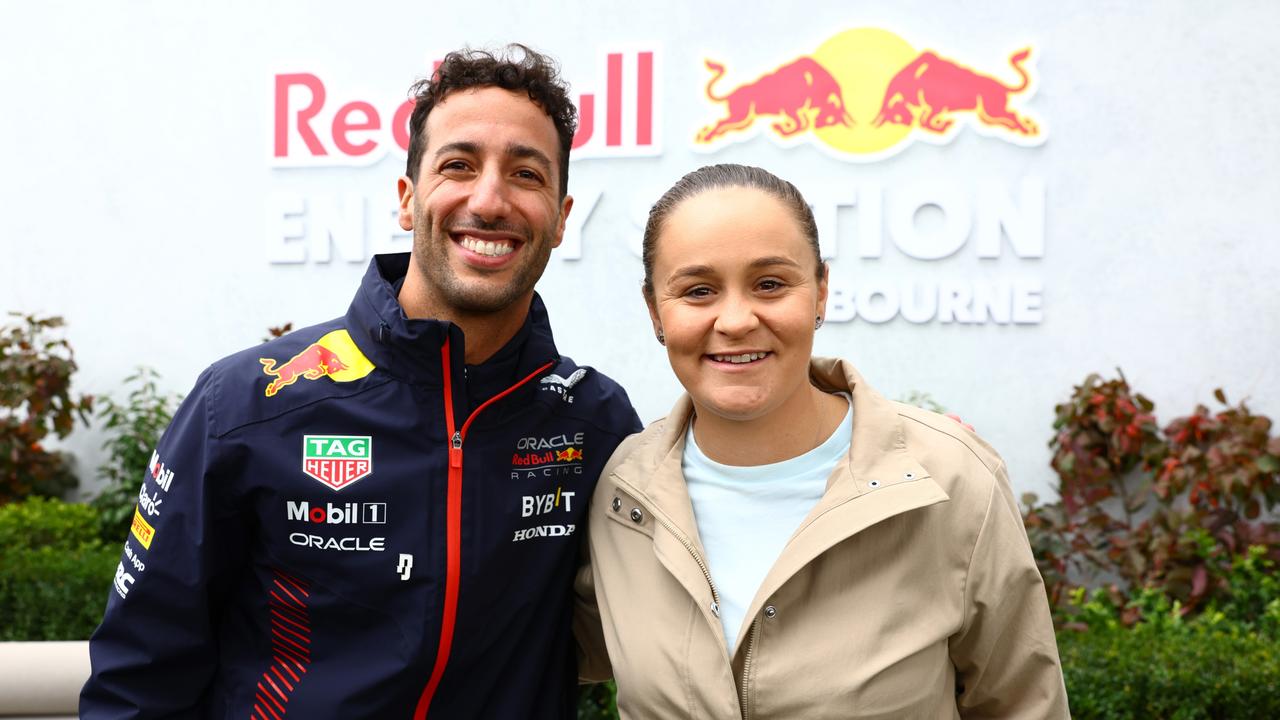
x=737 y=315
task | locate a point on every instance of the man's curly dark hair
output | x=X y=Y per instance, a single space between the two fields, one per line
x=527 y=70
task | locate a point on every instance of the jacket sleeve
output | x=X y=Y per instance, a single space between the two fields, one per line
x=588 y=630
x=155 y=652
x=1006 y=654
x=593 y=657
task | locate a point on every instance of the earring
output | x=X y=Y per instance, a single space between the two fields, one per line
x=817 y=323
x=662 y=338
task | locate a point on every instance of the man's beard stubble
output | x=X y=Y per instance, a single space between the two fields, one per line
x=476 y=297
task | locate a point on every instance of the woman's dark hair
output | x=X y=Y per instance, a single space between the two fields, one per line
x=530 y=71
x=711 y=177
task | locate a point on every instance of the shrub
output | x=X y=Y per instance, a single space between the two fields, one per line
x=35 y=400
x=1253 y=597
x=41 y=522
x=54 y=571
x=1165 y=666
x=1141 y=506
x=1199 y=672
x=598 y=702
x=135 y=427
x=48 y=594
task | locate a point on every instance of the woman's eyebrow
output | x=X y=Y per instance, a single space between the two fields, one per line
x=773 y=260
x=700 y=270
x=689 y=271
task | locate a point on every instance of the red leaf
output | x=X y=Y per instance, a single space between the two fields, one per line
x=1199 y=581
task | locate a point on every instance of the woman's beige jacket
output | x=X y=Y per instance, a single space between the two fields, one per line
x=908 y=592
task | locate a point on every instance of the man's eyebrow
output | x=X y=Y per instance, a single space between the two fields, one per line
x=462 y=146
x=526 y=152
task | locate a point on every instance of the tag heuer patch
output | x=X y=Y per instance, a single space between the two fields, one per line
x=337 y=460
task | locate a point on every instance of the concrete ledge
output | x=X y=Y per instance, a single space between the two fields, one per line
x=42 y=679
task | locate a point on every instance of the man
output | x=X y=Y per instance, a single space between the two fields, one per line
x=379 y=516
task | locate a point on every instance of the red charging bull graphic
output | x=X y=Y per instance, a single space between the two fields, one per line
x=801 y=93
x=866 y=94
x=334 y=356
x=930 y=88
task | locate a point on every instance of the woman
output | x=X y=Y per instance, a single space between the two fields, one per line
x=788 y=543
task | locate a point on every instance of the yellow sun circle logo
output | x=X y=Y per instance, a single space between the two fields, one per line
x=863 y=61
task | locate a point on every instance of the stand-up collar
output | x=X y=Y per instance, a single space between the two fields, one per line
x=878 y=447
x=410 y=348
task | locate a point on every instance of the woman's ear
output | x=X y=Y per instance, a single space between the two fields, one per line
x=821 y=309
x=653 y=315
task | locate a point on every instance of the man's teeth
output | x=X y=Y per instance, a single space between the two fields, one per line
x=488 y=248
x=745 y=358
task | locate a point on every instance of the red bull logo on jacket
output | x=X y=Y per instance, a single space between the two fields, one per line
x=334 y=356
x=866 y=94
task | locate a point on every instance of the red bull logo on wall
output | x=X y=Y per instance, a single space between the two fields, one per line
x=866 y=94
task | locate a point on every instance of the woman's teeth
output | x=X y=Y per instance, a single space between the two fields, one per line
x=488 y=248
x=744 y=358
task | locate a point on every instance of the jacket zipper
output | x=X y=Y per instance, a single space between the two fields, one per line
x=746 y=667
x=693 y=552
x=453 y=523
x=715 y=610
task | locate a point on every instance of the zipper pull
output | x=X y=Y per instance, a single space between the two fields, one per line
x=715 y=608
x=455 y=452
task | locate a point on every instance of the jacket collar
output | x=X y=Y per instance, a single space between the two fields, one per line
x=878 y=479
x=410 y=348
x=878 y=450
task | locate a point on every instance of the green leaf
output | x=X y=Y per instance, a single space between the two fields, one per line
x=1268 y=463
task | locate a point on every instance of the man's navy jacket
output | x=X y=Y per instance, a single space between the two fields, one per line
x=347 y=522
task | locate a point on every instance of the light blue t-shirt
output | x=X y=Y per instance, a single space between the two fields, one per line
x=745 y=515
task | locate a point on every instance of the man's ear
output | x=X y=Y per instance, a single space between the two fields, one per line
x=404 y=186
x=565 y=206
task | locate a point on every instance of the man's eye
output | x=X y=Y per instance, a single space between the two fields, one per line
x=529 y=175
x=454 y=166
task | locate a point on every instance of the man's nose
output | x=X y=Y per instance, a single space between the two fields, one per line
x=490 y=198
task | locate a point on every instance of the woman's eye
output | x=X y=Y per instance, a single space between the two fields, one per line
x=698 y=291
x=770 y=285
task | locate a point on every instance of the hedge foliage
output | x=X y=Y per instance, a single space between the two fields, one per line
x=54 y=571
x=1203 y=670
x=50 y=594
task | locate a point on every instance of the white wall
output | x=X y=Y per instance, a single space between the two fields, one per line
x=137 y=187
